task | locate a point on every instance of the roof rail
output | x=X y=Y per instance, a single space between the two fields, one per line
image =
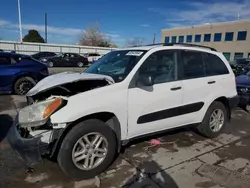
x=180 y=44
x=188 y=44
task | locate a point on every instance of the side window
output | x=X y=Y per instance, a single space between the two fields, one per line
x=161 y=66
x=4 y=60
x=193 y=66
x=14 y=60
x=214 y=65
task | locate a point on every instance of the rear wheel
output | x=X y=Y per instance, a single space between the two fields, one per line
x=23 y=85
x=214 y=121
x=87 y=150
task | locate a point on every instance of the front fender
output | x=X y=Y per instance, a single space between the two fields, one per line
x=92 y=102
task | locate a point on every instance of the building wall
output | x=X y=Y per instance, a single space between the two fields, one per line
x=231 y=47
x=31 y=48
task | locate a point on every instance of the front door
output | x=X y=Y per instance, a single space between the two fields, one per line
x=155 y=108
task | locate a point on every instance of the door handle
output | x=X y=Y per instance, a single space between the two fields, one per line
x=175 y=88
x=211 y=82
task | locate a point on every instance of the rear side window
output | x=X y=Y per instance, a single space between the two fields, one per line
x=214 y=65
x=193 y=66
x=4 y=60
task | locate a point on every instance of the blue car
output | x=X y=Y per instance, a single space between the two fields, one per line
x=243 y=89
x=19 y=73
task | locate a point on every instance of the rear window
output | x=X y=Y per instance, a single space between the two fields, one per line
x=193 y=66
x=214 y=65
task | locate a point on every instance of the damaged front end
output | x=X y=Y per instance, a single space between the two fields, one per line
x=32 y=135
x=67 y=84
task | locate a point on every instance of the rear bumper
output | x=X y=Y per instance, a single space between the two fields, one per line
x=233 y=101
x=30 y=149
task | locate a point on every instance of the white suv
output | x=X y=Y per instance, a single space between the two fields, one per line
x=85 y=118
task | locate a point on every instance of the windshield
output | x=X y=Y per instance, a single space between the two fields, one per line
x=116 y=64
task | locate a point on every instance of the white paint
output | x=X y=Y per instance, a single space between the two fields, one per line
x=128 y=104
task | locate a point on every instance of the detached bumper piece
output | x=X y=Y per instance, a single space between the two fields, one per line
x=31 y=149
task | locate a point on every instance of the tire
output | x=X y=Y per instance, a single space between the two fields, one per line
x=80 y=64
x=50 y=64
x=65 y=155
x=23 y=85
x=205 y=129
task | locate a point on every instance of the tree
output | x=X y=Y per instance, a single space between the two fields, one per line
x=94 y=37
x=136 y=41
x=33 y=36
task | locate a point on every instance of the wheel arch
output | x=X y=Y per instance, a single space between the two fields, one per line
x=107 y=117
x=225 y=101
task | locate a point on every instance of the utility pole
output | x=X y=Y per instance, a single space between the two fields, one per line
x=154 y=39
x=46 y=27
x=20 y=21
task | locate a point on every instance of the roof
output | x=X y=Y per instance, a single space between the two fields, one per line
x=171 y=45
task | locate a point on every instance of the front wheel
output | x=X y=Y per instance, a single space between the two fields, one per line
x=87 y=150
x=214 y=121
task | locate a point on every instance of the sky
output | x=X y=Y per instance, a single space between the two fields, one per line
x=118 y=20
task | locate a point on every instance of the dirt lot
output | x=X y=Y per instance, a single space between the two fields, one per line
x=184 y=159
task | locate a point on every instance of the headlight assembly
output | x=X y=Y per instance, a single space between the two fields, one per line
x=37 y=114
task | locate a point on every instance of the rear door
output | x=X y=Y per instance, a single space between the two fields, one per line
x=196 y=88
x=219 y=81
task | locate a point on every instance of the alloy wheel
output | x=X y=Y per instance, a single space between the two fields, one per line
x=90 y=151
x=216 y=121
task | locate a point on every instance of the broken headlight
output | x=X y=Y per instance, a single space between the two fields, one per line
x=37 y=114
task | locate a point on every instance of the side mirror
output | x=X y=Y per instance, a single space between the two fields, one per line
x=146 y=80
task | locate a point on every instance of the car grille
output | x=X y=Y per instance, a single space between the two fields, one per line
x=243 y=90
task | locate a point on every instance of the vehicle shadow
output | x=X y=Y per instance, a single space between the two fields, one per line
x=5 y=124
x=144 y=180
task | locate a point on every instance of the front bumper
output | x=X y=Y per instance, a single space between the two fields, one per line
x=30 y=149
x=244 y=100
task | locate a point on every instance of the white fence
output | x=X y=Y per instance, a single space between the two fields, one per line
x=31 y=48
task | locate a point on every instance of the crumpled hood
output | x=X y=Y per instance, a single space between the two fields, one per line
x=63 y=78
x=243 y=80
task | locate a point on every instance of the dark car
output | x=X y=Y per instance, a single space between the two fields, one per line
x=19 y=73
x=66 y=60
x=243 y=89
x=40 y=55
x=240 y=65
